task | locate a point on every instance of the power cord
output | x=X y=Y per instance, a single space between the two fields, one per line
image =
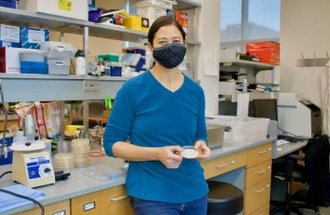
x=25 y=197
x=21 y=196
x=5 y=173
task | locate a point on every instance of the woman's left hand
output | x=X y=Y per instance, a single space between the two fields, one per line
x=204 y=150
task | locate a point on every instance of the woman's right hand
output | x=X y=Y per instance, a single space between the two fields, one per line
x=170 y=156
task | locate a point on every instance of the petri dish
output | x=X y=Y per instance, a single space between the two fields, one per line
x=189 y=152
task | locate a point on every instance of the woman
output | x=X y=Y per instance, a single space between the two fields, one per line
x=160 y=111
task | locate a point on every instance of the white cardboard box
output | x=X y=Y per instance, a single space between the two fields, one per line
x=77 y=9
x=9 y=59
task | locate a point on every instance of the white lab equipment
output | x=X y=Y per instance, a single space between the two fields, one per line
x=298 y=116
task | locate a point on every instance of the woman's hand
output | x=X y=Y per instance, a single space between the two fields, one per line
x=204 y=150
x=170 y=156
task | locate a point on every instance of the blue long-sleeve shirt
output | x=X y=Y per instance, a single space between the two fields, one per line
x=152 y=116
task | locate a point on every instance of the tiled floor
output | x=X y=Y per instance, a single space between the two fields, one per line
x=323 y=211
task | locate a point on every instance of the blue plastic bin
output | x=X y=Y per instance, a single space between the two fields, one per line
x=30 y=67
x=9 y=159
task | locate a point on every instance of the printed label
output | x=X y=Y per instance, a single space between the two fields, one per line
x=64 y=5
x=89 y=206
x=9 y=33
x=35 y=36
x=59 y=213
x=38 y=166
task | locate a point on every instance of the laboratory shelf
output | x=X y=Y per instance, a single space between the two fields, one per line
x=67 y=25
x=30 y=87
x=187 y=4
x=248 y=64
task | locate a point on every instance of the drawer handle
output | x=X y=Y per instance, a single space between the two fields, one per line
x=260 y=191
x=270 y=148
x=232 y=162
x=220 y=166
x=268 y=167
x=262 y=152
x=261 y=172
x=116 y=199
x=268 y=186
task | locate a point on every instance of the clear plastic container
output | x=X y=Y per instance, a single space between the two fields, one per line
x=58 y=67
x=242 y=128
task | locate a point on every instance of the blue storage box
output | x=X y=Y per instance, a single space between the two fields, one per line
x=115 y=69
x=30 y=67
x=8 y=3
x=32 y=37
x=9 y=158
x=9 y=36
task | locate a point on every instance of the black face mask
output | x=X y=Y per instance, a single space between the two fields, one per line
x=170 y=55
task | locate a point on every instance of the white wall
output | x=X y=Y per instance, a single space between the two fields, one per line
x=209 y=36
x=305 y=28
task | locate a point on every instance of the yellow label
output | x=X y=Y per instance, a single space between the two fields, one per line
x=64 y=5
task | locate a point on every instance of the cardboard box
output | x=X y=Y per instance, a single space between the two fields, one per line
x=182 y=18
x=262 y=44
x=136 y=23
x=267 y=55
x=9 y=59
x=32 y=37
x=76 y=9
x=9 y=36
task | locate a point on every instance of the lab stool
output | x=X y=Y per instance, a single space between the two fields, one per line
x=224 y=199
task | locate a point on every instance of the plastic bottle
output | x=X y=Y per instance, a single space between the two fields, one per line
x=245 y=85
x=80 y=63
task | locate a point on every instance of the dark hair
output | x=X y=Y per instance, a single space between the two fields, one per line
x=163 y=21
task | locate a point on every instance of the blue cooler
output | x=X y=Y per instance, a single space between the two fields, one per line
x=115 y=69
x=8 y=3
x=9 y=158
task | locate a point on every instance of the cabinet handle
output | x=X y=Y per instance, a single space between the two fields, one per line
x=261 y=172
x=260 y=191
x=220 y=166
x=232 y=162
x=262 y=152
x=116 y=199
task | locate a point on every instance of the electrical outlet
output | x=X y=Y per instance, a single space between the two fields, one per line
x=91 y=85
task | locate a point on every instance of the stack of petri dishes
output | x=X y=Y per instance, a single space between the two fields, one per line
x=63 y=161
x=80 y=150
x=63 y=146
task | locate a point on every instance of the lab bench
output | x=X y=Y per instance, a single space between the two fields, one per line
x=246 y=165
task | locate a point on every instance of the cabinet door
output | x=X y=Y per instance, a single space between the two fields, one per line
x=59 y=208
x=109 y=201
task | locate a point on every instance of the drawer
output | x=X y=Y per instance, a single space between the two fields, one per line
x=258 y=173
x=224 y=164
x=264 y=210
x=256 y=196
x=58 y=208
x=117 y=201
x=102 y=202
x=259 y=154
